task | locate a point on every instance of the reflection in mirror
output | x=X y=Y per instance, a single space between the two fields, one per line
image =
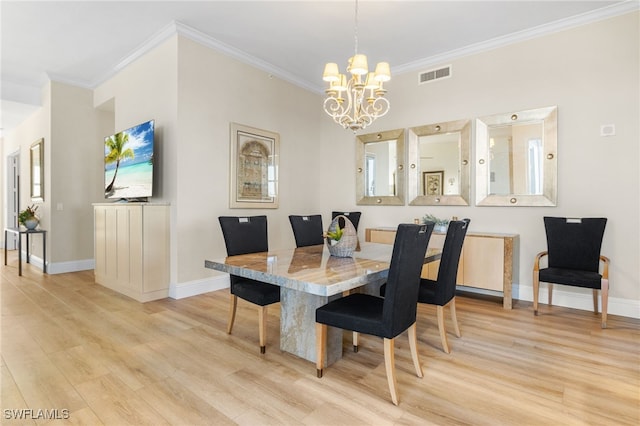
x=517 y=163
x=380 y=173
x=380 y=168
x=37 y=170
x=439 y=163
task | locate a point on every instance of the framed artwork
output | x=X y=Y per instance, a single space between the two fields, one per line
x=432 y=182
x=36 y=161
x=254 y=168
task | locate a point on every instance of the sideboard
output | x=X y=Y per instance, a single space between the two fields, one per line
x=132 y=249
x=486 y=262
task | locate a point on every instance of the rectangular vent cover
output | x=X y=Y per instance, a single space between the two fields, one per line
x=431 y=75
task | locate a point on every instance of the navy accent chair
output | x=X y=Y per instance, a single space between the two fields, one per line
x=573 y=258
x=307 y=230
x=383 y=317
x=354 y=217
x=244 y=235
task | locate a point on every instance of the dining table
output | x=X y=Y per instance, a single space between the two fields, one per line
x=309 y=277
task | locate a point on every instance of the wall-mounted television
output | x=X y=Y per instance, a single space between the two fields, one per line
x=128 y=163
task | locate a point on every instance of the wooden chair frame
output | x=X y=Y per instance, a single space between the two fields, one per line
x=604 y=287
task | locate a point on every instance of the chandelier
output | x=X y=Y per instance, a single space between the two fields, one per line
x=356 y=103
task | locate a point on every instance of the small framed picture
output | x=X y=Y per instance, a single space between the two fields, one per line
x=432 y=182
x=254 y=168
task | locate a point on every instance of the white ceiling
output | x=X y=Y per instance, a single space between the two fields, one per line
x=84 y=43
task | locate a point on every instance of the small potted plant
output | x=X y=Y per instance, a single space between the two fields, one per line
x=441 y=225
x=28 y=218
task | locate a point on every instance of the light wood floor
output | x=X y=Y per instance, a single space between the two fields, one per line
x=70 y=344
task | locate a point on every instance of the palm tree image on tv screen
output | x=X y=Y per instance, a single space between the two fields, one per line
x=128 y=162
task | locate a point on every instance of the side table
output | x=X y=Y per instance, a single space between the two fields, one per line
x=19 y=232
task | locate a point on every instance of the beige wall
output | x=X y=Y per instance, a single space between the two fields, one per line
x=590 y=73
x=213 y=91
x=75 y=153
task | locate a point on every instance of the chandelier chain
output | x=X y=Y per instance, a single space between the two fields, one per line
x=355 y=29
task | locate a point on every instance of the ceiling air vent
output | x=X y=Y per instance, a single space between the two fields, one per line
x=431 y=75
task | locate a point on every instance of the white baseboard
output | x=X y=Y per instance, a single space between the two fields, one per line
x=60 y=267
x=579 y=298
x=73 y=266
x=193 y=288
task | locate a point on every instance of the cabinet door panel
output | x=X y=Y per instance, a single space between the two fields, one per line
x=156 y=248
x=100 y=243
x=483 y=265
x=135 y=248
x=382 y=237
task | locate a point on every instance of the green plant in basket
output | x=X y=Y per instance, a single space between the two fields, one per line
x=335 y=235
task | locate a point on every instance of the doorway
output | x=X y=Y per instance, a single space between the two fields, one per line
x=13 y=197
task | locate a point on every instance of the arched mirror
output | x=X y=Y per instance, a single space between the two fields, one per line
x=517 y=158
x=380 y=169
x=439 y=164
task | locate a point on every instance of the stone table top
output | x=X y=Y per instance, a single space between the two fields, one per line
x=312 y=269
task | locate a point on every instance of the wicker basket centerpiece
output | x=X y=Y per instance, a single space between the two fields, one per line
x=341 y=242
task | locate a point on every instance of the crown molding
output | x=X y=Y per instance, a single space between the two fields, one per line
x=178 y=28
x=520 y=36
x=219 y=46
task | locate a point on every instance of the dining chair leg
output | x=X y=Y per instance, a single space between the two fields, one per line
x=595 y=301
x=605 y=301
x=413 y=346
x=454 y=317
x=355 y=341
x=390 y=365
x=441 y=328
x=550 y=294
x=536 y=288
x=321 y=339
x=233 y=303
x=262 y=326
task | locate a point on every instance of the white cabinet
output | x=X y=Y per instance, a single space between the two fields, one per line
x=132 y=249
x=486 y=262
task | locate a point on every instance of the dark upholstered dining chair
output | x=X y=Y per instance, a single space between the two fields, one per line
x=383 y=317
x=354 y=217
x=307 y=230
x=573 y=258
x=442 y=291
x=244 y=235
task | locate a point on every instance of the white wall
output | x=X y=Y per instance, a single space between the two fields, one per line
x=591 y=74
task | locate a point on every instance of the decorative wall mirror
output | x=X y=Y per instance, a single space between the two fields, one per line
x=36 y=157
x=439 y=164
x=380 y=169
x=517 y=158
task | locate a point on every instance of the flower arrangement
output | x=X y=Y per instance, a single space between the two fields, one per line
x=27 y=214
